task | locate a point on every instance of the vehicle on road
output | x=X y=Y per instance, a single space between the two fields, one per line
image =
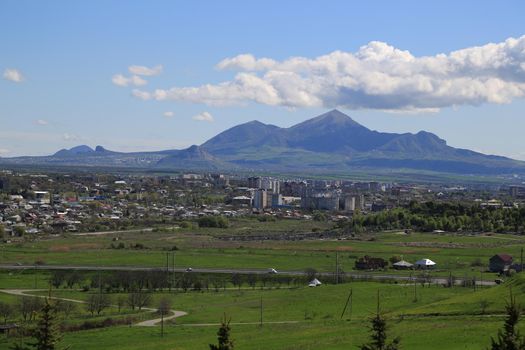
x=272 y=271
x=189 y=269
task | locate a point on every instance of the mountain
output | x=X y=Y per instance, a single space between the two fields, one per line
x=197 y=156
x=252 y=134
x=330 y=143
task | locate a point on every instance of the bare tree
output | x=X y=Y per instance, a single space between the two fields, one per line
x=6 y=311
x=91 y=304
x=121 y=301
x=236 y=280
x=252 y=280
x=104 y=301
x=97 y=303
x=57 y=278
x=163 y=309
x=29 y=306
x=66 y=307
x=138 y=299
x=73 y=278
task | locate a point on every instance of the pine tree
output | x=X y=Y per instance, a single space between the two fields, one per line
x=379 y=337
x=509 y=338
x=46 y=333
x=223 y=336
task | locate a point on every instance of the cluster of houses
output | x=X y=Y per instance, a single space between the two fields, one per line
x=499 y=263
x=372 y=263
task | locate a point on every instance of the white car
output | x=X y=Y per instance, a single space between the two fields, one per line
x=189 y=269
x=272 y=271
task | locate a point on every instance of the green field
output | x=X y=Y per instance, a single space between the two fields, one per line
x=440 y=318
x=201 y=248
x=430 y=317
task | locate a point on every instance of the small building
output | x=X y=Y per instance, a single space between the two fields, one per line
x=425 y=264
x=500 y=263
x=314 y=283
x=370 y=263
x=402 y=265
x=7 y=328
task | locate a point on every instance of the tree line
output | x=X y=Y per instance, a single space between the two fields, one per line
x=430 y=216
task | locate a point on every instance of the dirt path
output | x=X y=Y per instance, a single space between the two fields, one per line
x=154 y=322
x=148 y=323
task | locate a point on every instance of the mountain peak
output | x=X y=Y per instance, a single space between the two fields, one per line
x=333 y=118
x=77 y=150
x=81 y=149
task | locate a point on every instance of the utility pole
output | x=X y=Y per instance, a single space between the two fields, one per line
x=415 y=290
x=481 y=278
x=173 y=268
x=168 y=273
x=521 y=259
x=336 y=268
x=348 y=301
x=261 y=314
x=162 y=323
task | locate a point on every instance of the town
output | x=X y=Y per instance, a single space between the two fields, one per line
x=36 y=203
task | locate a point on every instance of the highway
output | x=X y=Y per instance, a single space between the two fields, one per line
x=369 y=276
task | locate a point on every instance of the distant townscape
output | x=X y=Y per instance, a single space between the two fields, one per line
x=117 y=249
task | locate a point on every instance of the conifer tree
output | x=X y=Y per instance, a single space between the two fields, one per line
x=509 y=338
x=378 y=336
x=223 y=336
x=46 y=333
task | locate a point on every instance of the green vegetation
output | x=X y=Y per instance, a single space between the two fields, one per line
x=509 y=338
x=223 y=337
x=451 y=217
x=213 y=221
x=441 y=318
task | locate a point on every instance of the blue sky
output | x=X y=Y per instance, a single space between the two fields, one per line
x=60 y=59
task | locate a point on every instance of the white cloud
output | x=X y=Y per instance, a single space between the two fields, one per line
x=168 y=114
x=142 y=70
x=4 y=151
x=41 y=122
x=377 y=76
x=203 y=117
x=13 y=75
x=143 y=95
x=246 y=62
x=71 y=137
x=134 y=80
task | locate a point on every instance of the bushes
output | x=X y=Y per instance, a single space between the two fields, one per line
x=213 y=221
x=430 y=216
x=107 y=322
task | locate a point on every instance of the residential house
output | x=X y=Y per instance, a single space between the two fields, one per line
x=500 y=263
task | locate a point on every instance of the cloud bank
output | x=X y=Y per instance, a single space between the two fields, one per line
x=377 y=76
x=13 y=75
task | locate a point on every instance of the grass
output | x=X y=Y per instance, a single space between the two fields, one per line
x=441 y=318
x=204 y=248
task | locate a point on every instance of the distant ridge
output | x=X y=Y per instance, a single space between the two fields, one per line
x=329 y=143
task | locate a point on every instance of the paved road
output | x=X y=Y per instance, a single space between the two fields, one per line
x=100 y=233
x=372 y=276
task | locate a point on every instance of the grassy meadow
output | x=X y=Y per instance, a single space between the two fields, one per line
x=294 y=316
